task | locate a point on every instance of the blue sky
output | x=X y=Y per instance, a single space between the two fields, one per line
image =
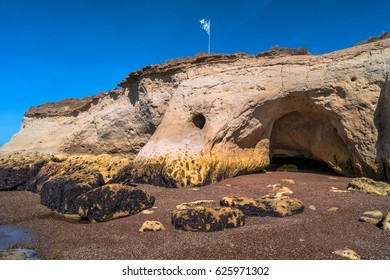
x=56 y=49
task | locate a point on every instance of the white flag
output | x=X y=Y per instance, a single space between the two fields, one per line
x=205 y=25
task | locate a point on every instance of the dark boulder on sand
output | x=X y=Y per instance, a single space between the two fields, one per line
x=60 y=184
x=202 y=218
x=268 y=205
x=112 y=201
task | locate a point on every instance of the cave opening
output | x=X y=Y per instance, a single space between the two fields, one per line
x=284 y=163
x=307 y=141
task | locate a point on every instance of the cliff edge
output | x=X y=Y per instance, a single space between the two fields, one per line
x=198 y=120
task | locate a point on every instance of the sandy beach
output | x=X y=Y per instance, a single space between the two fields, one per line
x=314 y=234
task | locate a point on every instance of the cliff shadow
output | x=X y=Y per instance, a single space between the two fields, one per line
x=382 y=124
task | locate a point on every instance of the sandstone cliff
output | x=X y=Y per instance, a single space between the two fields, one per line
x=198 y=120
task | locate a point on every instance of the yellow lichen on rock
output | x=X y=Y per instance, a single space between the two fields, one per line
x=348 y=253
x=268 y=205
x=152 y=226
x=200 y=218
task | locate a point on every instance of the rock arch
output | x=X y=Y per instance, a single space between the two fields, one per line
x=310 y=135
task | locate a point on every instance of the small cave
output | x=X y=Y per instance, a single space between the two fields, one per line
x=306 y=141
x=199 y=120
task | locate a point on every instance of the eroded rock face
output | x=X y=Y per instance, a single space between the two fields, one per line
x=268 y=205
x=16 y=169
x=199 y=120
x=200 y=218
x=369 y=186
x=112 y=201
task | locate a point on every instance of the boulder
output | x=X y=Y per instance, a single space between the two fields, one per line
x=200 y=218
x=112 y=201
x=268 y=205
x=152 y=226
x=368 y=185
x=59 y=184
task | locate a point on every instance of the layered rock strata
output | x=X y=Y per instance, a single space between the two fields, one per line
x=195 y=121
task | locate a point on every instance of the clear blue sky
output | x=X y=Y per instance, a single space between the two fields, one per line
x=56 y=49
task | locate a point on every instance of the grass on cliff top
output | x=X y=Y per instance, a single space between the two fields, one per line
x=384 y=35
x=279 y=51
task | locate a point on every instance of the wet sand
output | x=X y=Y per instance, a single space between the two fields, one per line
x=314 y=234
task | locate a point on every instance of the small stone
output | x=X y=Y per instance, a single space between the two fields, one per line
x=332 y=178
x=333 y=209
x=371 y=217
x=288 y=181
x=147 y=212
x=152 y=226
x=194 y=189
x=228 y=185
x=280 y=190
x=192 y=204
x=336 y=190
x=312 y=207
x=288 y=168
x=348 y=253
x=301 y=240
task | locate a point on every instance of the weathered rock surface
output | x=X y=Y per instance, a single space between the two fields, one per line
x=152 y=226
x=112 y=201
x=369 y=186
x=202 y=218
x=268 y=205
x=60 y=184
x=195 y=121
x=16 y=169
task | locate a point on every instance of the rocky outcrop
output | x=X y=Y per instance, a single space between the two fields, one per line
x=368 y=185
x=202 y=218
x=16 y=170
x=195 y=121
x=111 y=202
x=268 y=205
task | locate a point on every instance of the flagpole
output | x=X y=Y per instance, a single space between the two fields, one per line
x=209 y=33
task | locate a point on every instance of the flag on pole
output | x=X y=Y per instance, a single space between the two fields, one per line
x=205 y=25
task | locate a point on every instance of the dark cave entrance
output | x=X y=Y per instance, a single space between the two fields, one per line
x=283 y=163
x=307 y=141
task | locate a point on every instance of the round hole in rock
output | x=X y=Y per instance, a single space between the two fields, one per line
x=199 y=120
x=353 y=79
